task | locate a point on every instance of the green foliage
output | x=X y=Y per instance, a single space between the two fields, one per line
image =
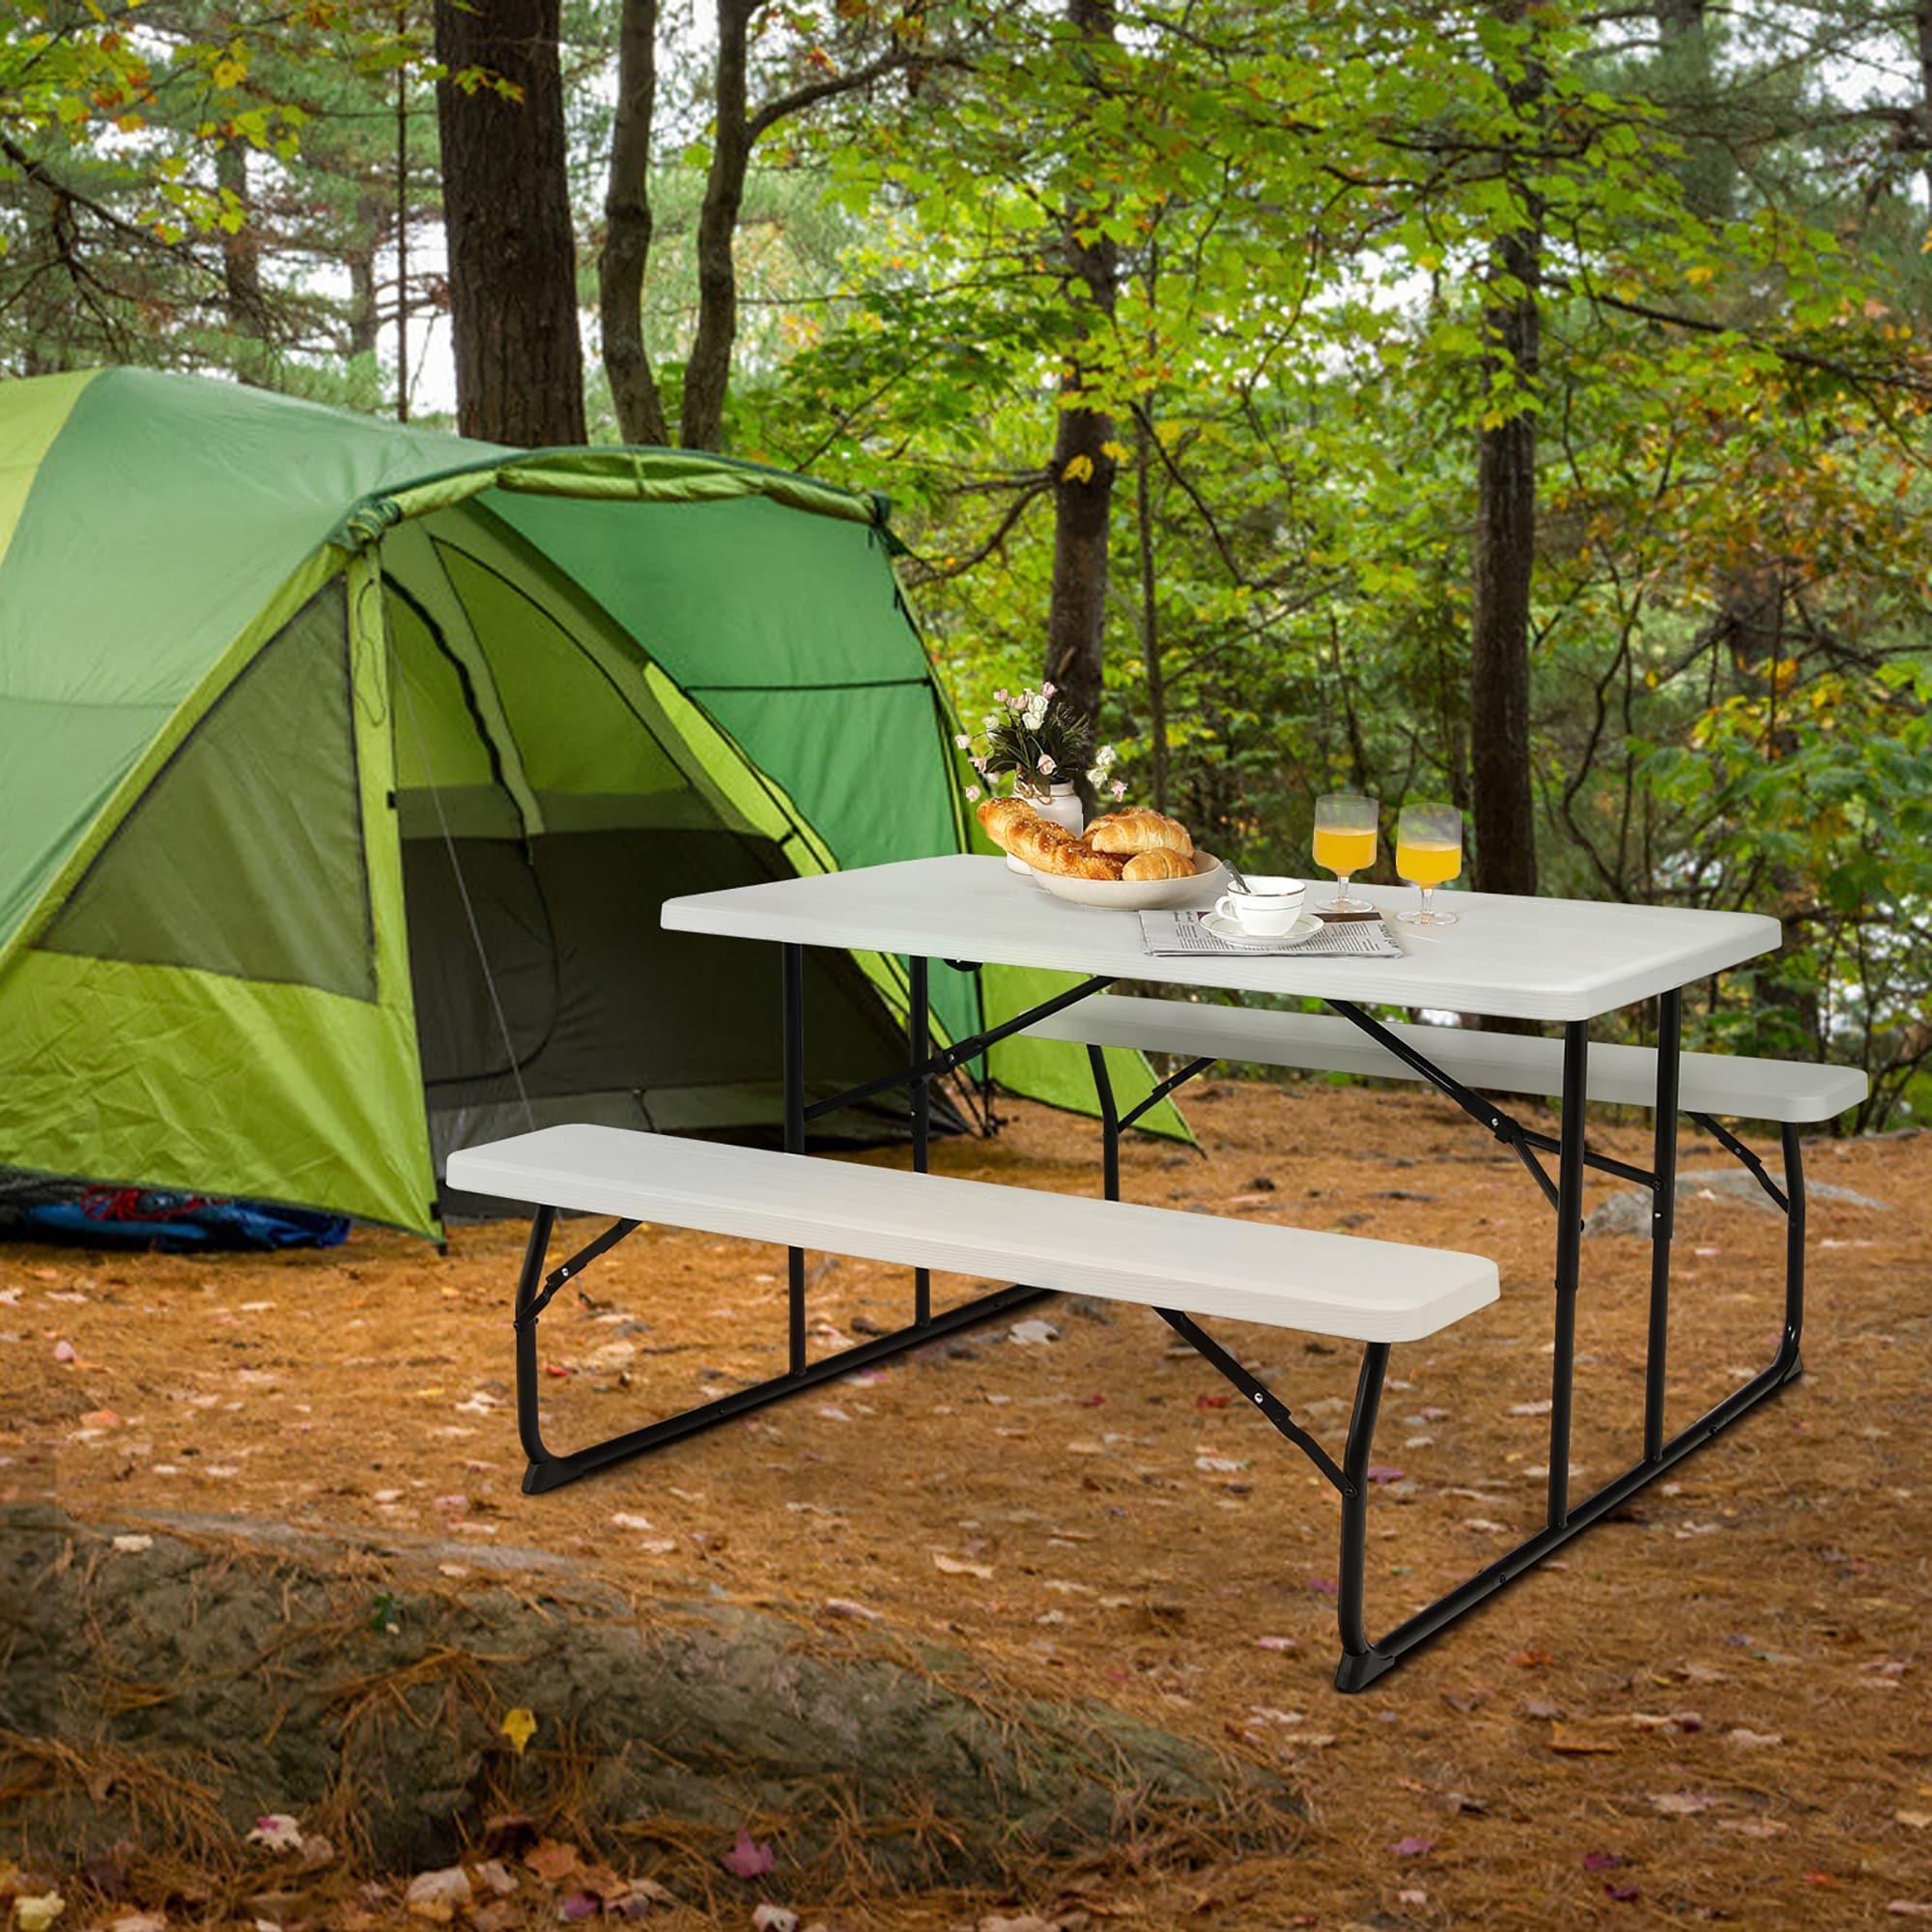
x=1723 y=232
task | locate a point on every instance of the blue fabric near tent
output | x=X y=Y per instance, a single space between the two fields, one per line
x=143 y=1218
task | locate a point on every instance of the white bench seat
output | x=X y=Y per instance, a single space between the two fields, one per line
x=1499 y=1062
x=1327 y=1284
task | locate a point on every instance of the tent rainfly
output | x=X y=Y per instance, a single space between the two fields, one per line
x=344 y=766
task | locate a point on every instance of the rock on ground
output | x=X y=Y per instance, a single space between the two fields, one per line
x=177 y=1686
x=1630 y=1213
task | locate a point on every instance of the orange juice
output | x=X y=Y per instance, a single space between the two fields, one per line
x=1428 y=861
x=1343 y=853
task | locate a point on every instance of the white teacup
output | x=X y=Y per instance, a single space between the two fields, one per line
x=1268 y=908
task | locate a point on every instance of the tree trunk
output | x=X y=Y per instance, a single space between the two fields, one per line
x=1150 y=663
x=708 y=375
x=506 y=214
x=1922 y=21
x=1501 y=787
x=1083 y=471
x=364 y=319
x=627 y=230
x=240 y=251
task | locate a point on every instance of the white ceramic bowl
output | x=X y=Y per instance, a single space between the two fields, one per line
x=1142 y=895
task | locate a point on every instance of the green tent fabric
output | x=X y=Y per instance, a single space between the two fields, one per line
x=347 y=765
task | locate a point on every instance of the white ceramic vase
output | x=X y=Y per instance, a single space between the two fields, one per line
x=1061 y=803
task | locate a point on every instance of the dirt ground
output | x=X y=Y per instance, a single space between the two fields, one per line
x=1711 y=1707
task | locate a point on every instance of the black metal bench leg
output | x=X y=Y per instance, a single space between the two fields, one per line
x=549 y=1470
x=1788 y=1358
x=1361 y=1661
x=529 y=1290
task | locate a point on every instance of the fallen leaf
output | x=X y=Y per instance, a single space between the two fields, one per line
x=1032 y=1332
x=1624 y=1895
x=1601 y=1861
x=1909 y=1908
x=959 y=1566
x=62 y=1353
x=1530 y=1408
x=580 y=1905
x=138 y=1921
x=1753 y=1827
x=434 y=1895
x=1567 y=1738
x=1752 y=1740
x=1412 y=1847
x=551 y=1860
x=520 y=1726
x=495 y=1874
x=1030 y=1921
x=100 y=1418
x=36 y=1914
x=774 y=1919
x=1681 y=1803
x=1284 y=1643
x=847 y=1606
x=747 y=1858
x=1918 y=1820
x=274 y=1830
x=1380 y=1473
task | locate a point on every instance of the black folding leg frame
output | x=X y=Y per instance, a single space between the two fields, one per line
x=549 y=1470
x=1364 y=1660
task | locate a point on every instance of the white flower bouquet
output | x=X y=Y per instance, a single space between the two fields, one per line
x=1039 y=739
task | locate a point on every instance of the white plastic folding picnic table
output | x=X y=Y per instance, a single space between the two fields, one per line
x=1549 y=960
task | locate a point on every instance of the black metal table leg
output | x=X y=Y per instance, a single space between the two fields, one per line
x=792 y=972
x=1110 y=1123
x=1569 y=1261
x=1663 y=1216
x=919 y=1034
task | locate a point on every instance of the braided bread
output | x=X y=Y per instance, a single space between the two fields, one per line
x=1000 y=815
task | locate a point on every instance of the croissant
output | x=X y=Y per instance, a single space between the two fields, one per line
x=1140 y=831
x=1160 y=862
x=1000 y=815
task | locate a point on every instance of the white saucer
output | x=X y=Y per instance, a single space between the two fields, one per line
x=1234 y=934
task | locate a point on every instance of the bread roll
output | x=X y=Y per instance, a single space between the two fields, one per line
x=1080 y=861
x=1161 y=863
x=1036 y=840
x=1140 y=831
x=1000 y=815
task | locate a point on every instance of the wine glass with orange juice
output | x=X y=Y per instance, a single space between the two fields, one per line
x=1428 y=851
x=1345 y=844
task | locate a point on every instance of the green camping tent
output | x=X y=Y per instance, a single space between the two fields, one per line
x=343 y=768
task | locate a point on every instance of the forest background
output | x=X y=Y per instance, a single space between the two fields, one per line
x=1518 y=403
